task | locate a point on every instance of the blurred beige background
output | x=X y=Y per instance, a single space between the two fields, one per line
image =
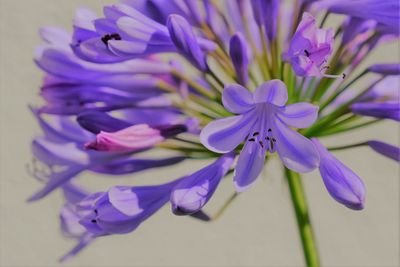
x=258 y=230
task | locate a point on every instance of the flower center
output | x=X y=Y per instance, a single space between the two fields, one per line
x=266 y=140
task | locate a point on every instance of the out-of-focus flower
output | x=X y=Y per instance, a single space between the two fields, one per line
x=384 y=110
x=385 y=149
x=238 y=50
x=194 y=191
x=384 y=12
x=263 y=122
x=386 y=69
x=342 y=183
x=266 y=14
x=309 y=48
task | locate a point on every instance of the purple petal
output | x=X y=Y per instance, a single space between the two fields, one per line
x=185 y=40
x=127 y=166
x=237 y=99
x=386 y=69
x=83 y=242
x=296 y=151
x=384 y=110
x=341 y=182
x=299 y=115
x=386 y=12
x=124 y=200
x=238 y=51
x=249 y=166
x=194 y=191
x=96 y=122
x=273 y=91
x=223 y=135
x=386 y=150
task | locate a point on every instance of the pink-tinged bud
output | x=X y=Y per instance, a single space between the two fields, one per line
x=133 y=138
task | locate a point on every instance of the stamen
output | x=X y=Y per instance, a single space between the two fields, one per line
x=108 y=37
x=256 y=133
x=252 y=140
x=93 y=221
x=307 y=53
x=269 y=130
x=261 y=144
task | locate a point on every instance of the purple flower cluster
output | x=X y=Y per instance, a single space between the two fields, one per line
x=232 y=82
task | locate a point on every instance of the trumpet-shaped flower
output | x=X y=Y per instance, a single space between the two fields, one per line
x=263 y=122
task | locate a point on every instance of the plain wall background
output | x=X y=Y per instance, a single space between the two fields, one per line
x=259 y=228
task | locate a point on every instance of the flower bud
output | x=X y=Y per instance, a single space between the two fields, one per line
x=341 y=182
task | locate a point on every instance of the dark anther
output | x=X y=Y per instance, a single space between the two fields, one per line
x=108 y=37
x=267 y=138
x=261 y=144
x=252 y=140
x=256 y=133
x=307 y=53
x=273 y=140
x=95 y=211
x=93 y=221
x=344 y=75
x=269 y=130
x=271 y=144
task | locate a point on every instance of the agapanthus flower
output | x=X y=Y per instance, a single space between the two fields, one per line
x=264 y=122
x=229 y=82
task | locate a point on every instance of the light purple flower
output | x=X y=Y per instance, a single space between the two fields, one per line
x=341 y=182
x=384 y=110
x=238 y=50
x=386 y=69
x=309 y=48
x=122 y=209
x=264 y=122
x=385 y=149
x=386 y=12
x=195 y=190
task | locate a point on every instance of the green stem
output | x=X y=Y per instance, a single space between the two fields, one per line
x=347 y=146
x=227 y=203
x=303 y=221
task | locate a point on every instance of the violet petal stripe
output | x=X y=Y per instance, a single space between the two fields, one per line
x=299 y=115
x=237 y=99
x=249 y=166
x=296 y=151
x=273 y=91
